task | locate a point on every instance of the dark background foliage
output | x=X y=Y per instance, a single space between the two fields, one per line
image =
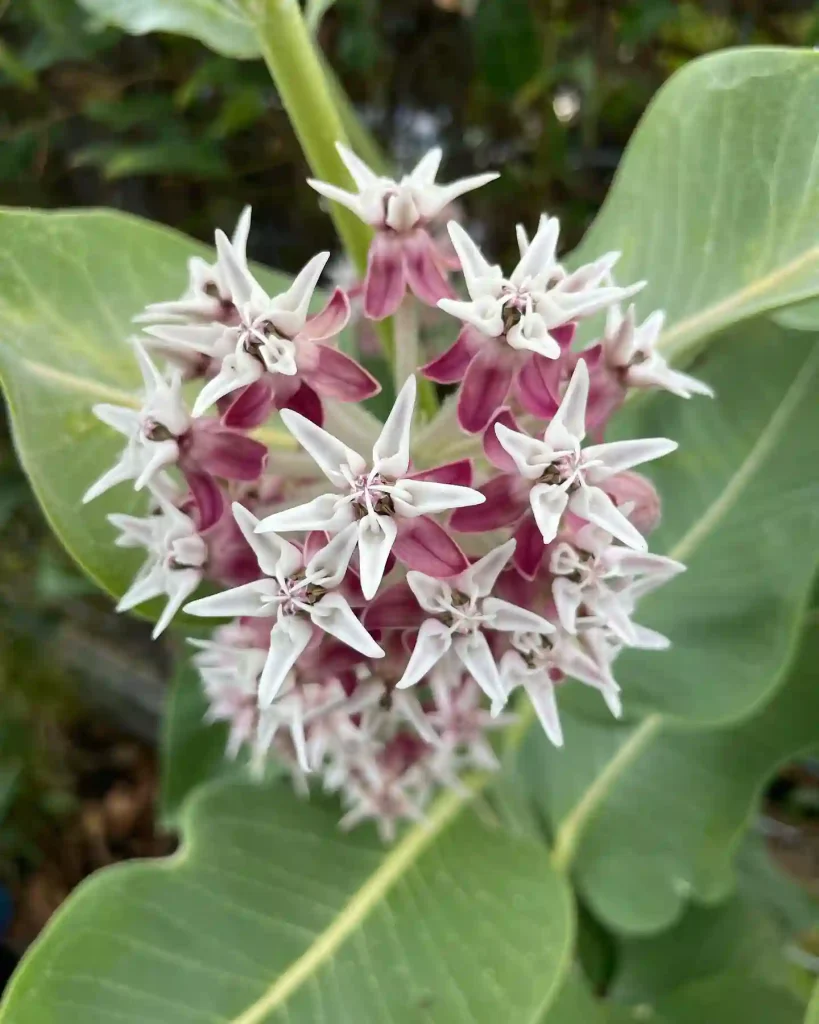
x=547 y=90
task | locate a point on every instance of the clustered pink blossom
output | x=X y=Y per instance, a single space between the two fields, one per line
x=389 y=588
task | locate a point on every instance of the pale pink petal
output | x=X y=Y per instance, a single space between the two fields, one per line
x=539 y=254
x=568 y=597
x=451 y=367
x=531 y=456
x=541 y=693
x=548 y=503
x=484 y=389
x=512 y=619
x=477 y=658
x=476 y=268
x=338 y=375
x=425 y=546
x=458 y=473
x=361 y=174
x=288 y=639
x=431 y=644
x=394 y=608
x=571 y=416
x=328 y=322
x=530 y=548
x=385 y=283
x=433 y=595
x=492 y=448
x=322 y=513
x=251 y=407
x=505 y=502
x=333 y=614
x=329 y=454
x=245 y=600
x=426 y=497
x=288 y=311
x=276 y=555
x=641 y=496
x=421 y=265
x=480 y=577
x=619 y=455
x=391 y=451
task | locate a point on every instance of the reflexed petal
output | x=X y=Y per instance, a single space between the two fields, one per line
x=433 y=595
x=160 y=453
x=249 y=599
x=504 y=503
x=385 y=283
x=512 y=619
x=288 y=640
x=530 y=456
x=306 y=403
x=435 y=199
x=376 y=535
x=288 y=311
x=223 y=452
x=326 y=512
x=458 y=473
x=548 y=503
x=479 y=579
x=338 y=195
x=359 y=171
x=571 y=415
x=391 y=451
x=619 y=455
x=537 y=384
x=328 y=452
x=431 y=644
x=539 y=256
x=338 y=375
x=239 y=280
x=541 y=693
x=477 y=658
x=336 y=617
x=181 y=584
x=530 y=548
x=145 y=586
x=208 y=498
x=476 y=269
x=274 y=554
x=568 y=597
x=236 y=372
x=425 y=278
x=394 y=608
x=330 y=321
x=424 y=545
x=117 y=474
x=485 y=315
x=597 y=507
x=451 y=367
x=484 y=389
x=425 y=497
x=251 y=407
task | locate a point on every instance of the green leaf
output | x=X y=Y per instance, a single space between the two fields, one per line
x=219 y=24
x=813 y=1010
x=730 y=1000
x=70 y=284
x=268 y=914
x=804 y=316
x=716 y=200
x=192 y=750
x=650 y=815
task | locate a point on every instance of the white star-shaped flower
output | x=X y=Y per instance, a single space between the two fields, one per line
x=298 y=595
x=151 y=431
x=565 y=476
x=537 y=297
x=370 y=495
x=461 y=609
x=596 y=575
x=175 y=562
x=399 y=205
x=632 y=350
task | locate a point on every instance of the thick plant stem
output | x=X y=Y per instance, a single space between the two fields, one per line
x=407 y=351
x=296 y=69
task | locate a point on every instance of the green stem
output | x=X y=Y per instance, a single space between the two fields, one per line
x=296 y=69
x=406 y=340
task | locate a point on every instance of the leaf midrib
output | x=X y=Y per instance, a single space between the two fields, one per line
x=571 y=829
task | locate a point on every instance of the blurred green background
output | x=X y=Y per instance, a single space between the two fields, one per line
x=549 y=90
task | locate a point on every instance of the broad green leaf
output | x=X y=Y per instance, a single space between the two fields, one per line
x=219 y=24
x=268 y=914
x=804 y=316
x=716 y=201
x=813 y=1010
x=741 y=510
x=70 y=284
x=651 y=815
x=729 y=999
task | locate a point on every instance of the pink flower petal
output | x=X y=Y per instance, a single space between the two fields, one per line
x=251 y=406
x=314 y=542
x=451 y=367
x=394 y=608
x=207 y=498
x=329 y=321
x=529 y=548
x=505 y=503
x=538 y=385
x=492 y=448
x=564 y=335
x=484 y=390
x=385 y=284
x=425 y=545
x=306 y=402
x=337 y=375
x=422 y=265
x=212 y=448
x=638 y=492
x=458 y=473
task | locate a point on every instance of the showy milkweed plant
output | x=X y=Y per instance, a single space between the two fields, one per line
x=386 y=607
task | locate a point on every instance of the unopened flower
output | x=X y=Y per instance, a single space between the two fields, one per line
x=457 y=613
x=631 y=350
x=403 y=254
x=512 y=322
x=565 y=476
x=389 y=506
x=299 y=595
x=273 y=339
x=176 y=558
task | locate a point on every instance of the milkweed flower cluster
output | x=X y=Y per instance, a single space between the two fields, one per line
x=388 y=589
